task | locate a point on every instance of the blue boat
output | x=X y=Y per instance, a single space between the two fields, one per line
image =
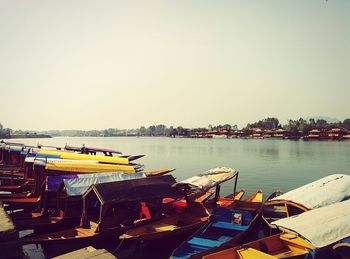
x=225 y=227
x=342 y=248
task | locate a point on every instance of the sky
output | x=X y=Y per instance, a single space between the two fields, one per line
x=125 y=64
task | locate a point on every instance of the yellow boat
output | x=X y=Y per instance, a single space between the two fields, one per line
x=253 y=203
x=172 y=223
x=75 y=156
x=89 y=167
x=282 y=245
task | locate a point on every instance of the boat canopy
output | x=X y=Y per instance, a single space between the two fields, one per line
x=79 y=185
x=54 y=182
x=321 y=226
x=75 y=156
x=31 y=157
x=136 y=190
x=89 y=167
x=325 y=191
x=15 y=149
x=211 y=178
x=12 y=143
x=54 y=160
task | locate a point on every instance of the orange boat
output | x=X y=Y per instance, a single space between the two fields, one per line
x=110 y=209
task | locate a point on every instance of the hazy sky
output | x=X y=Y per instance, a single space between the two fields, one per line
x=124 y=64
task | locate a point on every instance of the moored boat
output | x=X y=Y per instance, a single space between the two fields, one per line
x=325 y=191
x=225 y=228
x=192 y=214
x=109 y=209
x=43 y=168
x=212 y=178
x=252 y=203
x=277 y=246
x=321 y=227
x=62 y=203
x=342 y=248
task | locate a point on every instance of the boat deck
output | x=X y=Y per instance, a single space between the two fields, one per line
x=10 y=245
x=87 y=252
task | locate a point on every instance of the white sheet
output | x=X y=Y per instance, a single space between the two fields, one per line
x=322 y=226
x=79 y=185
x=211 y=178
x=325 y=191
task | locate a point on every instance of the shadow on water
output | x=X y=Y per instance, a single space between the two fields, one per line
x=159 y=249
x=265 y=164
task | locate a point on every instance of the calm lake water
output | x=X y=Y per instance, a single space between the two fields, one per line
x=266 y=164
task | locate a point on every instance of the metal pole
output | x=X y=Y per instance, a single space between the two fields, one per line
x=235 y=184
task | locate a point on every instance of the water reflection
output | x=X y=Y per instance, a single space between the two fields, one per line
x=263 y=164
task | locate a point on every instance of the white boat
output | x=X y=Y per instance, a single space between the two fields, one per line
x=325 y=191
x=322 y=226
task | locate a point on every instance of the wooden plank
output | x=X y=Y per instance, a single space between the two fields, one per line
x=87 y=252
x=10 y=245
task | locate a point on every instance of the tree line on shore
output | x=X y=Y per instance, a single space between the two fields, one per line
x=294 y=127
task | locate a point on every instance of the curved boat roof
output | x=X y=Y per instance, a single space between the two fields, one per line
x=137 y=189
x=211 y=178
x=89 y=167
x=79 y=183
x=52 y=159
x=30 y=158
x=75 y=156
x=325 y=191
x=321 y=226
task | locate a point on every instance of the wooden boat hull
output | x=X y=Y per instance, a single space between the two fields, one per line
x=277 y=246
x=213 y=203
x=252 y=204
x=208 y=246
x=73 y=236
x=171 y=233
x=47 y=224
x=8 y=180
x=170 y=226
x=16 y=188
x=8 y=196
x=22 y=203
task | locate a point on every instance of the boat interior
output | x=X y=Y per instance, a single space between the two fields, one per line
x=283 y=245
x=173 y=216
x=224 y=225
x=278 y=209
x=253 y=203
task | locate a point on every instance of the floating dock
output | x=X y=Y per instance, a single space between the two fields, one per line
x=87 y=252
x=10 y=245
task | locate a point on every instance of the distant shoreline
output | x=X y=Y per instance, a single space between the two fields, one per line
x=305 y=138
x=26 y=136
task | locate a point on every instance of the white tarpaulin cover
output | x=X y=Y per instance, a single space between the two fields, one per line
x=79 y=185
x=59 y=160
x=325 y=191
x=211 y=178
x=30 y=159
x=322 y=226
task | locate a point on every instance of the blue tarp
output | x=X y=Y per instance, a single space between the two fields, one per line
x=79 y=185
x=54 y=182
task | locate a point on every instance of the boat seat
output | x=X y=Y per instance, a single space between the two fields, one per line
x=253 y=253
x=289 y=253
x=165 y=227
x=229 y=226
x=203 y=242
x=224 y=238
